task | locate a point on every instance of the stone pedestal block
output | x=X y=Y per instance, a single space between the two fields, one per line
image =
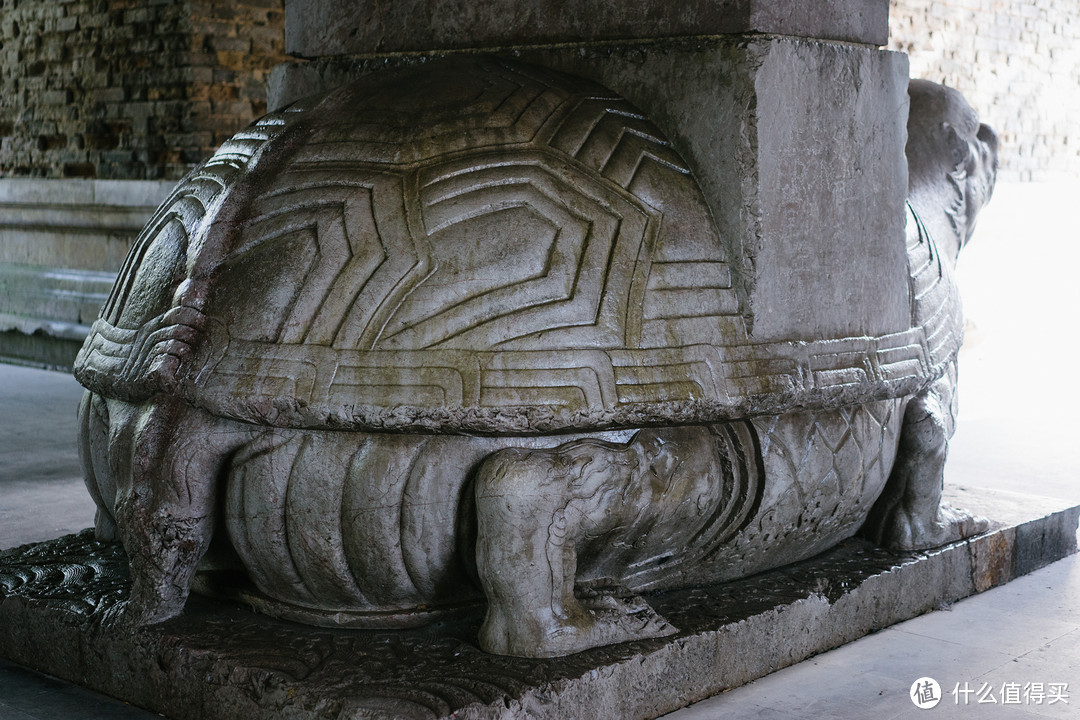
x=220 y=661
x=799 y=147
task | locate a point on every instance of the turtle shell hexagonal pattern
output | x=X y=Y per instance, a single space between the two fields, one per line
x=468 y=245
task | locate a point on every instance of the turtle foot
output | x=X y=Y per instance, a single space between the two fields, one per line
x=132 y=615
x=600 y=619
x=908 y=532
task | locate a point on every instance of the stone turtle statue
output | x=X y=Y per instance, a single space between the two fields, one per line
x=467 y=332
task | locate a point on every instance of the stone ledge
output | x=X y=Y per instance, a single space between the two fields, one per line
x=219 y=661
x=143 y=195
x=38 y=349
x=61 y=243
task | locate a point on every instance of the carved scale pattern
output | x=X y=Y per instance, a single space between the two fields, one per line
x=479 y=247
x=834 y=462
x=935 y=296
x=75 y=573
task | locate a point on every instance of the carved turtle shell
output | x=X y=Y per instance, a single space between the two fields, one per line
x=467 y=246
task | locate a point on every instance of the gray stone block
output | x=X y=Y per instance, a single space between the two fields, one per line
x=330 y=27
x=220 y=661
x=799 y=149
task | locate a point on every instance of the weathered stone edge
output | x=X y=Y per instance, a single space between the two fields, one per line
x=154 y=672
x=690 y=669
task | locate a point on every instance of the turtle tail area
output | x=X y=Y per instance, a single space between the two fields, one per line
x=155 y=470
x=94 y=455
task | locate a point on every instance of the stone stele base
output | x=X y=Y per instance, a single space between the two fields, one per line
x=222 y=661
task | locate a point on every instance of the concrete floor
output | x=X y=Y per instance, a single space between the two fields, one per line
x=1017 y=431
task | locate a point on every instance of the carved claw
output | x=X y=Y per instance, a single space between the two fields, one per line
x=908 y=532
x=158 y=467
x=624 y=622
x=131 y=614
x=630 y=616
x=596 y=621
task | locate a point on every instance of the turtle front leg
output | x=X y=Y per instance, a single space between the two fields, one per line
x=168 y=460
x=542 y=513
x=910 y=515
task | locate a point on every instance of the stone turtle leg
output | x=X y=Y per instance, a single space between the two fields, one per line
x=910 y=515
x=577 y=517
x=167 y=460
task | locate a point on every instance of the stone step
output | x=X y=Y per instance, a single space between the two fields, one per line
x=220 y=661
x=62 y=302
x=61 y=243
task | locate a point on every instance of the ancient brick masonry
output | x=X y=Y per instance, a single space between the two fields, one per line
x=129 y=89
x=144 y=89
x=1017 y=61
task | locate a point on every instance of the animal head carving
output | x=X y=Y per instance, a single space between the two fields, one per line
x=952 y=163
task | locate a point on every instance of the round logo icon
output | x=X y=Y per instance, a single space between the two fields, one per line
x=925 y=693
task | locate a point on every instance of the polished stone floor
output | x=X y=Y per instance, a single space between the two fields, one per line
x=1018 y=430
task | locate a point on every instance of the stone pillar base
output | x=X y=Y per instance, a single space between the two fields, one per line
x=220 y=661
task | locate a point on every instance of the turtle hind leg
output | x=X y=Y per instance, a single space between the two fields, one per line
x=168 y=459
x=910 y=515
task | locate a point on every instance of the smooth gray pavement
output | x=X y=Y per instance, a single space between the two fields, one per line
x=1018 y=430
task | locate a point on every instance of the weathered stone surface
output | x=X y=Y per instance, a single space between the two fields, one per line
x=220 y=661
x=364 y=27
x=798 y=142
x=480 y=246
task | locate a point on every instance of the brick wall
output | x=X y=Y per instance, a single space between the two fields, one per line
x=1018 y=64
x=129 y=89
x=143 y=89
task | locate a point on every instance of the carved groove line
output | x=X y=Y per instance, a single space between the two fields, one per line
x=935 y=297
x=590 y=232
x=741 y=493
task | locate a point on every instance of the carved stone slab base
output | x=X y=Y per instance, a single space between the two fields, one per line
x=220 y=661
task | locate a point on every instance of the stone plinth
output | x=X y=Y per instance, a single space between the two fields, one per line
x=61 y=243
x=221 y=661
x=364 y=27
